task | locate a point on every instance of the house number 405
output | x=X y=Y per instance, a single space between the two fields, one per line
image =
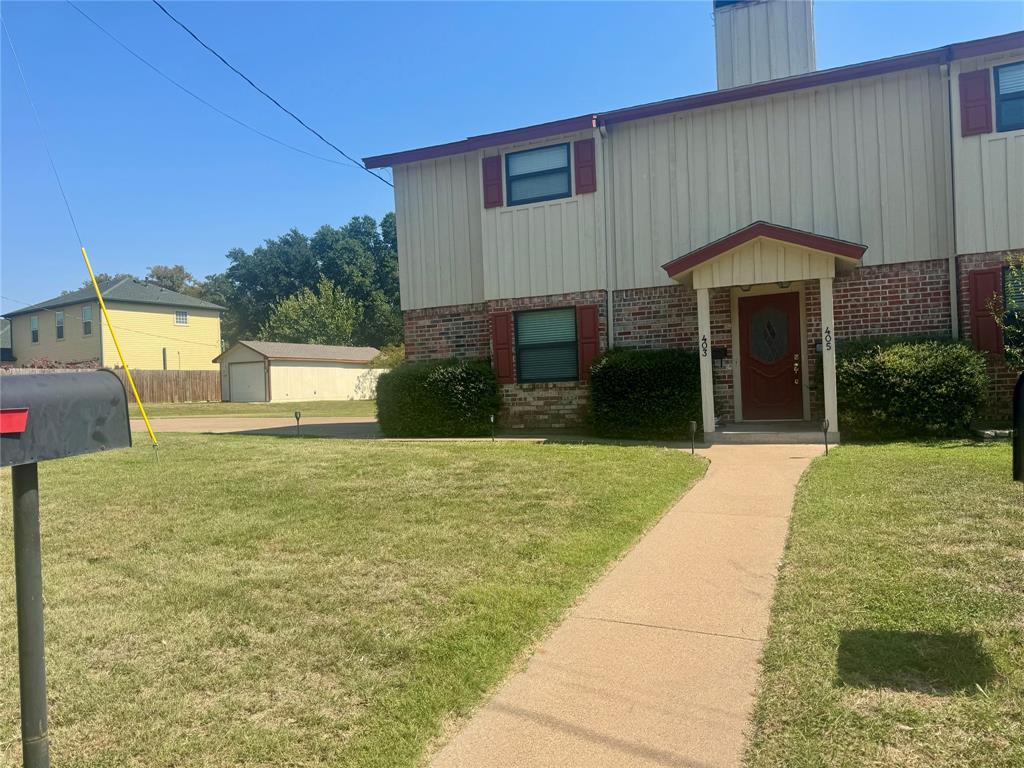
x=828 y=339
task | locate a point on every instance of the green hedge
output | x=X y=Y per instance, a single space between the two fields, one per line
x=645 y=394
x=446 y=398
x=909 y=388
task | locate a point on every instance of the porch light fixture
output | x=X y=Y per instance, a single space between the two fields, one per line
x=784 y=284
x=745 y=288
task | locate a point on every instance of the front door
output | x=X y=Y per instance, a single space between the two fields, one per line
x=770 y=356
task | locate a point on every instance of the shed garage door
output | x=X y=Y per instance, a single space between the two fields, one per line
x=248 y=383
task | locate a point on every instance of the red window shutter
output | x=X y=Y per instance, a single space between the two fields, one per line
x=985 y=284
x=588 y=337
x=586 y=166
x=975 y=103
x=493 y=193
x=501 y=341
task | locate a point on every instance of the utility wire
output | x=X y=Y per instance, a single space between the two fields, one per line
x=199 y=98
x=278 y=104
x=39 y=125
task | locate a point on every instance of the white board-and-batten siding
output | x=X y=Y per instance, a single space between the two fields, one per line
x=764 y=260
x=989 y=173
x=865 y=161
x=763 y=41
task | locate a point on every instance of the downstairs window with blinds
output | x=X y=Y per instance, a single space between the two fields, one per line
x=546 y=348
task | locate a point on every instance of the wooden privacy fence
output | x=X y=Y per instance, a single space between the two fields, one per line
x=174 y=386
x=153 y=386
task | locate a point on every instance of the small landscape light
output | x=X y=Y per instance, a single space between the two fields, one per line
x=492 y=427
x=298 y=416
x=824 y=432
x=693 y=432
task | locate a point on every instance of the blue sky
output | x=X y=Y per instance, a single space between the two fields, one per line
x=156 y=178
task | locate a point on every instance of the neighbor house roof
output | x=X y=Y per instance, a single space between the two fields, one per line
x=127 y=289
x=935 y=56
x=278 y=350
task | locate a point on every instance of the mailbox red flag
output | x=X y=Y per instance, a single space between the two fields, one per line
x=13 y=420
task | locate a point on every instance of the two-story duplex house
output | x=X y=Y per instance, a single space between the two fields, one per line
x=758 y=224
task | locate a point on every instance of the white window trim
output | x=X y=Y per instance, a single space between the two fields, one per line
x=177 y=314
x=87 y=307
x=59 y=316
x=36 y=329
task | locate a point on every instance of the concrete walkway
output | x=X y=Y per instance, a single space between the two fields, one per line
x=657 y=666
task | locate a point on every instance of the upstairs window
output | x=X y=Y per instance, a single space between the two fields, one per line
x=534 y=175
x=87 y=320
x=33 y=324
x=181 y=317
x=1010 y=97
x=60 y=324
x=546 y=348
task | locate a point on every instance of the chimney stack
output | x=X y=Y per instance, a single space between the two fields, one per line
x=758 y=40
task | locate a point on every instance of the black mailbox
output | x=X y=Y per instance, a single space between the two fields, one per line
x=1018 y=429
x=54 y=415
x=48 y=416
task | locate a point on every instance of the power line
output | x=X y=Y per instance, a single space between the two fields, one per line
x=199 y=98
x=276 y=103
x=39 y=125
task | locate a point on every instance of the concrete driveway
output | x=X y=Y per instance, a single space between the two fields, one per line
x=352 y=427
x=658 y=664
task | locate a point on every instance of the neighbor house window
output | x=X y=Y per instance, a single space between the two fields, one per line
x=60 y=324
x=87 y=320
x=546 y=345
x=181 y=317
x=33 y=324
x=538 y=174
x=1010 y=97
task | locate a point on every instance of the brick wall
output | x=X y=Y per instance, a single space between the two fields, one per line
x=655 y=318
x=1001 y=377
x=555 y=405
x=442 y=332
x=893 y=300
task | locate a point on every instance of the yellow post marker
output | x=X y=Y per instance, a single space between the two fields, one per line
x=120 y=354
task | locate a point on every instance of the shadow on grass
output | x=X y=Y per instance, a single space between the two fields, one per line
x=926 y=662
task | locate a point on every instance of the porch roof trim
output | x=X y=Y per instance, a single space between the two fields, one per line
x=843 y=249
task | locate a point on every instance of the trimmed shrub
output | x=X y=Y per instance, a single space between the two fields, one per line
x=645 y=394
x=909 y=388
x=446 y=398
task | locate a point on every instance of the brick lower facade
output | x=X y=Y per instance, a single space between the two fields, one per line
x=1002 y=378
x=910 y=299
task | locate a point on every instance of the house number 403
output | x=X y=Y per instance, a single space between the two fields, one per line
x=704 y=346
x=828 y=339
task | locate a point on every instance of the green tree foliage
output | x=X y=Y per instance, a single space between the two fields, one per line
x=1010 y=313
x=326 y=316
x=359 y=258
x=173 y=278
x=101 y=278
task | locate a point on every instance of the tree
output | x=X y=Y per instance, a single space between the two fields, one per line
x=175 y=278
x=1010 y=312
x=101 y=278
x=326 y=316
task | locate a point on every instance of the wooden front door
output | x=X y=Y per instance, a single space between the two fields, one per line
x=770 y=359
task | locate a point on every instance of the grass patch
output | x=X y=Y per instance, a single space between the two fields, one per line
x=897 y=632
x=306 y=602
x=283 y=410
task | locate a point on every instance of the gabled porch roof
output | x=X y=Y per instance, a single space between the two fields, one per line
x=842 y=249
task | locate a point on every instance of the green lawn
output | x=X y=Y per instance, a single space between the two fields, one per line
x=897 y=633
x=307 y=602
x=309 y=409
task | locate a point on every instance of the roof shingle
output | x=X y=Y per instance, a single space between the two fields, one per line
x=125 y=290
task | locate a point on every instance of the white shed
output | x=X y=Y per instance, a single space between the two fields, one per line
x=275 y=372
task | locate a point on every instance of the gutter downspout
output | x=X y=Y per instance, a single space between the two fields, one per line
x=608 y=261
x=954 y=270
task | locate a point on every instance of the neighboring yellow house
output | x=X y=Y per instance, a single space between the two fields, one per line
x=158 y=329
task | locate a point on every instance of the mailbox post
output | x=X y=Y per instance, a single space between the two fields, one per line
x=48 y=416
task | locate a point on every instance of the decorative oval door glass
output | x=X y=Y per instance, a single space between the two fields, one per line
x=769 y=335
